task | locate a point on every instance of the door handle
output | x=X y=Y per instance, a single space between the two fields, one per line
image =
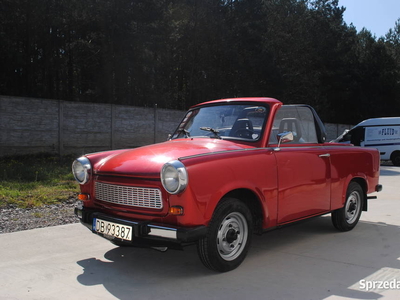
x=324 y=155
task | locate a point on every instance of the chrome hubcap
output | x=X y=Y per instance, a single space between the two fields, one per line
x=232 y=236
x=353 y=206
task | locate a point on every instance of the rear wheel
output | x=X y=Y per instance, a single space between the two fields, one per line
x=396 y=159
x=347 y=217
x=228 y=238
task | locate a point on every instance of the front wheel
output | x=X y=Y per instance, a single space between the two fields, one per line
x=347 y=217
x=228 y=238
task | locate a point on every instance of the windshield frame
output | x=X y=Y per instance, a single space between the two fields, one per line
x=209 y=132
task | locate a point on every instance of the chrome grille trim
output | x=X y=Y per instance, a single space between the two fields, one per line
x=129 y=195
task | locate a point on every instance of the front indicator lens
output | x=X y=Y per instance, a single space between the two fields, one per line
x=176 y=210
x=174 y=177
x=84 y=197
x=81 y=169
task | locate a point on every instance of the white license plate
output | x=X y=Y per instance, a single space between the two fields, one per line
x=113 y=229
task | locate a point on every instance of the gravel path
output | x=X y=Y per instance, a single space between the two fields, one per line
x=16 y=219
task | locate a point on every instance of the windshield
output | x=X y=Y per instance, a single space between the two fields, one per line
x=229 y=121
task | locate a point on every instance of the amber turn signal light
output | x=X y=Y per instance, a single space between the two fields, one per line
x=176 y=210
x=83 y=197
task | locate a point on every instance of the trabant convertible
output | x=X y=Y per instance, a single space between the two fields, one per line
x=232 y=168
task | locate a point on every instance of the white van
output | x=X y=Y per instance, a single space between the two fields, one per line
x=380 y=133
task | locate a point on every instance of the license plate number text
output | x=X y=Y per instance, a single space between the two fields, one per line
x=113 y=229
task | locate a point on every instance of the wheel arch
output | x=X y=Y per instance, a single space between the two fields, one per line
x=252 y=201
x=363 y=184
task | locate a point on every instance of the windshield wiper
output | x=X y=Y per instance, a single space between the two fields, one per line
x=214 y=131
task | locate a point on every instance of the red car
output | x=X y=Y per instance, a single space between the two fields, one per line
x=233 y=167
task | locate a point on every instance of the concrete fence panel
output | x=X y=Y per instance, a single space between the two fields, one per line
x=29 y=125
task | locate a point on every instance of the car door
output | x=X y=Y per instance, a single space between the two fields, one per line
x=303 y=182
x=303 y=166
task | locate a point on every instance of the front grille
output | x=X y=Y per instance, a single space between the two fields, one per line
x=129 y=195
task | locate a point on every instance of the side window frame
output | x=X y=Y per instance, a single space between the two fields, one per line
x=311 y=129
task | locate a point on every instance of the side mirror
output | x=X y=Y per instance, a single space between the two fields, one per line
x=284 y=137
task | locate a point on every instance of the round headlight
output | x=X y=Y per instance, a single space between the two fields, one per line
x=81 y=168
x=174 y=177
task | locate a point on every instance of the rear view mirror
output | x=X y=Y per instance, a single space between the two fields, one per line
x=285 y=137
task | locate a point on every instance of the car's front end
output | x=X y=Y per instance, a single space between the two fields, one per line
x=144 y=196
x=135 y=203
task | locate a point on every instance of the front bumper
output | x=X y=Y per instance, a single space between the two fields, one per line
x=144 y=233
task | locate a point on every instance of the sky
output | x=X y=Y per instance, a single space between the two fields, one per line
x=378 y=16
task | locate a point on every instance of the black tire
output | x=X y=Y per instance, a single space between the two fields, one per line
x=347 y=217
x=228 y=238
x=396 y=159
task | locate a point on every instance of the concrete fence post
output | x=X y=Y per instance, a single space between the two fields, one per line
x=112 y=126
x=155 y=122
x=60 y=127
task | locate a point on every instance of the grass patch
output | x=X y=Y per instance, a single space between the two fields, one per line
x=36 y=180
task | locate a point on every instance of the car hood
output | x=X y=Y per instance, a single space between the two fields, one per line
x=147 y=161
